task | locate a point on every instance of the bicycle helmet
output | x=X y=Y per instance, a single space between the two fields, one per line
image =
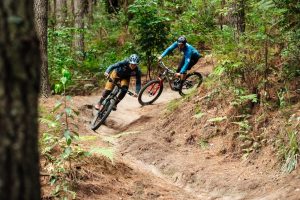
x=182 y=40
x=134 y=59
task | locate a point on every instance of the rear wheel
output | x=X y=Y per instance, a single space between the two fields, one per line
x=101 y=116
x=191 y=82
x=150 y=92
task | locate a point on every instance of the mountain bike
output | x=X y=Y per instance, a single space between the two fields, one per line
x=153 y=89
x=107 y=106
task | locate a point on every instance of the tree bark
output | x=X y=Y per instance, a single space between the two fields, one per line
x=52 y=13
x=79 y=26
x=112 y=6
x=221 y=17
x=41 y=24
x=19 y=88
x=90 y=11
x=241 y=20
x=61 y=12
x=70 y=10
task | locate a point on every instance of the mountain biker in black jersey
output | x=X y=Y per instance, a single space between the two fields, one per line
x=121 y=71
x=190 y=58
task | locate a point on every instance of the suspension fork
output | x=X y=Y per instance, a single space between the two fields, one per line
x=152 y=90
x=113 y=95
x=161 y=81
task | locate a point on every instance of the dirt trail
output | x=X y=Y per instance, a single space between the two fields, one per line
x=167 y=169
x=151 y=163
x=145 y=181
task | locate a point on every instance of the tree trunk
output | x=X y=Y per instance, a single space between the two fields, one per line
x=52 y=13
x=19 y=87
x=79 y=26
x=221 y=17
x=61 y=12
x=70 y=10
x=241 y=21
x=41 y=19
x=112 y=6
x=90 y=11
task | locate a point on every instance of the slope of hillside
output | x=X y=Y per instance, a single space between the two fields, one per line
x=182 y=149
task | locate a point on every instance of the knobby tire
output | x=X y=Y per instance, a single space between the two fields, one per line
x=145 y=91
x=99 y=119
x=197 y=83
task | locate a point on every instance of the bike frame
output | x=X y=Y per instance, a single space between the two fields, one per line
x=108 y=104
x=153 y=89
x=168 y=74
x=115 y=92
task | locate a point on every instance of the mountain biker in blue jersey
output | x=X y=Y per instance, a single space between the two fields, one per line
x=190 y=58
x=121 y=71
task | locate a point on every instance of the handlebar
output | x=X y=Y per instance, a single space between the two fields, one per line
x=162 y=65
x=119 y=86
x=131 y=94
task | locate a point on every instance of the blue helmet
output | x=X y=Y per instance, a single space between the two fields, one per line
x=182 y=40
x=134 y=59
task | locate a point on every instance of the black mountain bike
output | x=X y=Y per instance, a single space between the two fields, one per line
x=107 y=107
x=153 y=89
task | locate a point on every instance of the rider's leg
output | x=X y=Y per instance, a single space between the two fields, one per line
x=191 y=64
x=180 y=65
x=107 y=90
x=105 y=94
x=178 y=84
x=124 y=89
x=193 y=61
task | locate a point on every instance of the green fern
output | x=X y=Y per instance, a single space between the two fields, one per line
x=291 y=153
x=49 y=123
x=199 y=115
x=217 y=119
x=107 y=152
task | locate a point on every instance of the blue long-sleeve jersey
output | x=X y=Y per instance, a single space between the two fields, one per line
x=189 y=52
x=124 y=71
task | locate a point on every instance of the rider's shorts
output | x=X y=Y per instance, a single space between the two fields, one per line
x=193 y=61
x=113 y=75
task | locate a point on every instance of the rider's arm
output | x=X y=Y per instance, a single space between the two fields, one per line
x=187 y=60
x=169 y=49
x=138 y=80
x=114 y=66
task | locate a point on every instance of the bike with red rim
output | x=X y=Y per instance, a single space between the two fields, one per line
x=150 y=92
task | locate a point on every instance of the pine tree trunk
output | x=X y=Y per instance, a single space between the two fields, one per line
x=90 y=11
x=19 y=87
x=221 y=17
x=241 y=21
x=52 y=13
x=41 y=24
x=112 y=6
x=61 y=12
x=70 y=10
x=79 y=26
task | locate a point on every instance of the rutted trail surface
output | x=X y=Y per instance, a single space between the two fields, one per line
x=167 y=164
x=159 y=157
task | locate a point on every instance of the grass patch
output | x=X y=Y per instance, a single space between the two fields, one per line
x=112 y=139
x=87 y=138
x=173 y=105
x=203 y=143
x=107 y=152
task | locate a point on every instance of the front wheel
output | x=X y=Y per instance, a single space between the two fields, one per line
x=101 y=116
x=191 y=82
x=150 y=92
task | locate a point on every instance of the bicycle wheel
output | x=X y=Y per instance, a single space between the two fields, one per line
x=101 y=116
x=191 y=82
x=150 y=92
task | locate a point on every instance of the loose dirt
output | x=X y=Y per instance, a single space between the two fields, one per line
x=156 y=156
